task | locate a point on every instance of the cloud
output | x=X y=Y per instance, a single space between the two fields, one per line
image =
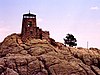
x=94 y=8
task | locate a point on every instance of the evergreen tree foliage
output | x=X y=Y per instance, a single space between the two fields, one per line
x=70 y=40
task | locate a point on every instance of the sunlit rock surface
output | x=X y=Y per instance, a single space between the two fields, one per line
x=39 y=57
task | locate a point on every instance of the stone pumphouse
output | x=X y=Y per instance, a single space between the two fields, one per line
x=30 y=29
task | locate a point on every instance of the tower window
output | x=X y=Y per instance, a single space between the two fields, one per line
x=29 y=24
x=31 y=32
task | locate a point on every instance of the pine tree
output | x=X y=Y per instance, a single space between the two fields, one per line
x=70 y=40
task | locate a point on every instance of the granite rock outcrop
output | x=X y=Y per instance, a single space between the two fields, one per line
x=39 y=57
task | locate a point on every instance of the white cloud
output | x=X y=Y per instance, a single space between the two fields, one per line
x=94 y=8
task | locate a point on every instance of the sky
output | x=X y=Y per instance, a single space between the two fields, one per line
x=60 y=17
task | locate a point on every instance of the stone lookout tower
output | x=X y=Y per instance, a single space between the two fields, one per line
x=30 y=29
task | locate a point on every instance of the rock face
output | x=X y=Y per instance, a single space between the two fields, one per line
x=39 y=57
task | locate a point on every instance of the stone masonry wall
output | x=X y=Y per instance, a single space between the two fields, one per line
x=36 y=33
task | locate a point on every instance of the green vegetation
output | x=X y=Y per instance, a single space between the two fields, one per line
x=70 y=40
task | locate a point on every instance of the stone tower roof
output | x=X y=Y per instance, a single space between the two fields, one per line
x=29 y=14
